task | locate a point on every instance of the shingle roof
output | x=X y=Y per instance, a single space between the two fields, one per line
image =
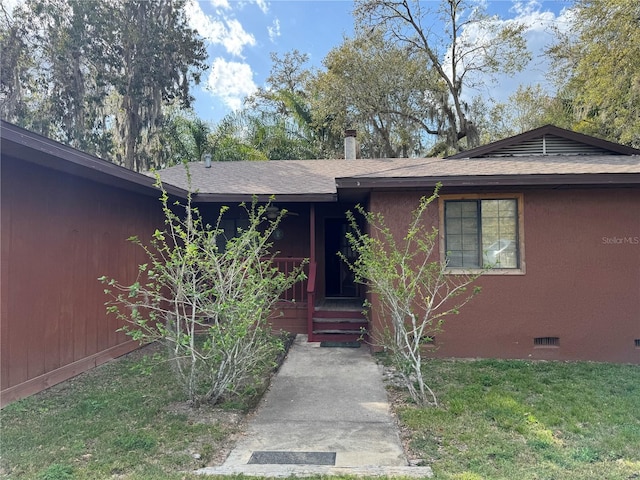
x=323 y=177
x=320 y=180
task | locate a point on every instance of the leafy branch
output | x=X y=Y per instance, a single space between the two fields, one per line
x=208 y=298
x=412 y=287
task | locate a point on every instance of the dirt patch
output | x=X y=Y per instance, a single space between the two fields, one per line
x=212 y=451
x=206 y=415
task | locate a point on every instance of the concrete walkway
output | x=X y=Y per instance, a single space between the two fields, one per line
x=326 y=413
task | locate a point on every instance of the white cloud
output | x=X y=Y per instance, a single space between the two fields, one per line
x=231 y=82
x=236 y=38
x=274 y=30
x=220 y=3
x=222 y=30
x=262 y=4
x=523 y=8
x=538 y=36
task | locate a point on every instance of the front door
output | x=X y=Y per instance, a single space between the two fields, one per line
x=338 y=277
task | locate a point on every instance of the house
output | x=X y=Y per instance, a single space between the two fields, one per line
x=556 y=213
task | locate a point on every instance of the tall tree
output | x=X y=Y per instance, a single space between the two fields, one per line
x=288 y=78
x=52 y=86
x=527 y=108
x=14 y=62
x=284 y=104
x=248 y=135
x=154 y=53
x=185 y=138
x=96 y=75
x=382 y=90
x=598 y=63
x=444 y=35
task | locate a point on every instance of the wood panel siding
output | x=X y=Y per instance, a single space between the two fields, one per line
x=59 y=234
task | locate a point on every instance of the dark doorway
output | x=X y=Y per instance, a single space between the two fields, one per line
x=338 y=278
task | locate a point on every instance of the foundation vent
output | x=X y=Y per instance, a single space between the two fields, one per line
x=546 y=342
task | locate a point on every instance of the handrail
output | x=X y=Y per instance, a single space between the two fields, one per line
x=311 y=293
x=311 y=281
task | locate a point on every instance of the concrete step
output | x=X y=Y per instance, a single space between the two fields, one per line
x=338 y=337
x=338 y=314
x=337 y=332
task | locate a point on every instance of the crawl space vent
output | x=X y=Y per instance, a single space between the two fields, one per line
x=546 y=341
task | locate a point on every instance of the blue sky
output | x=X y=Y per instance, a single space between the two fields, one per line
x=241 y=35
x=239 y=53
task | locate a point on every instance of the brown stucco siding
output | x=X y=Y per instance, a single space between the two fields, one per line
x=59 y=234
x=582 y=280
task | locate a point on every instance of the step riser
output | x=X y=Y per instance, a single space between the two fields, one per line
x=339 y=326
x=337 y=314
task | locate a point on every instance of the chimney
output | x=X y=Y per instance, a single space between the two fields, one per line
x=349 y=144
x=207 y=160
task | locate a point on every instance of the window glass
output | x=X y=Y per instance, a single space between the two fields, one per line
x=461 y=226
x=481 y=233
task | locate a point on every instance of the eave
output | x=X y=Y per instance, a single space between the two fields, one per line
x=36 y=149
x=533 y=180
x=235 y=197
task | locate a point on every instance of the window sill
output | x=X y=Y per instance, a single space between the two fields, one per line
x=488 y=271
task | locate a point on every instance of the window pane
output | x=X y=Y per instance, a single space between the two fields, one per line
x=470 y=243
x=490 y=208
x=507 y=208
x=490 y=230
x=454 y=258
x=453 y=226
x=453 y=210
x=499 y=233
x=469 y=209
x=470 y=226
x=454 y=242
x=470 y=259
x=462 y=233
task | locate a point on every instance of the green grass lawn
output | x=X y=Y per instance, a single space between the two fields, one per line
x=529 y=420
x=498 y=420
x=115 y=421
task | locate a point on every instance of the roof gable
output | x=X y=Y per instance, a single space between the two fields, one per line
x=548 y=140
